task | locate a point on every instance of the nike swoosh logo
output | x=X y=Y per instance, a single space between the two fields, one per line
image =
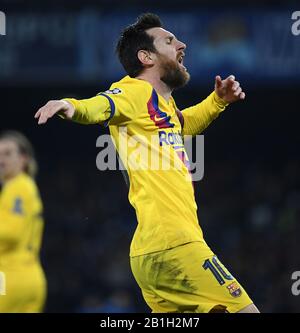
x=160 y=119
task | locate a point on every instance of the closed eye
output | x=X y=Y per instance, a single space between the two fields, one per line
x=170 y=39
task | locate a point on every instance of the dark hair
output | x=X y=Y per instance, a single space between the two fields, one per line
x=25 y=148
x=135 y=38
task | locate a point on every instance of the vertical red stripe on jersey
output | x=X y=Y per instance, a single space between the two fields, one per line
x=160 y=118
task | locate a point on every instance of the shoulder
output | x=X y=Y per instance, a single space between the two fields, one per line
x=132 y=88
x=21 y=186
x=127 y=98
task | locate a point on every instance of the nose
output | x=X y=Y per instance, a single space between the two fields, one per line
x=181 y=46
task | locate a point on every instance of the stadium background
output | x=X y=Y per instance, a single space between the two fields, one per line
x=248 y=201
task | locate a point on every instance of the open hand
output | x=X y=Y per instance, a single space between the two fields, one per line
x=52 y=108
x=229 y=89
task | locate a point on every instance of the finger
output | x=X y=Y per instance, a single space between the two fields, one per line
x=230 y=78
x=237 y=92
x=235 y=85
x=41 y=110
x=46 y=113
x=229 y=81
x=43 y=118
x=242 y=95
x=218 y=81
x=38 y=113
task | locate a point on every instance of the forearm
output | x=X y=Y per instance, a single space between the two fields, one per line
x=94 y=110
x=198 y=117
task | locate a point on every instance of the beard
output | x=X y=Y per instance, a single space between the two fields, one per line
x=172 y=74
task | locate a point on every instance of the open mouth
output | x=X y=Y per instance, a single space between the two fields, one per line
x=180 y=61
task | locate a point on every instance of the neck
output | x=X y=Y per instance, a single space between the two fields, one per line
x=7 y=178
x=160 y=87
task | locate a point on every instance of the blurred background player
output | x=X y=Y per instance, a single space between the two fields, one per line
x=21 y=227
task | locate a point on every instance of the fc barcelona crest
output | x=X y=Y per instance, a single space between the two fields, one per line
x=234 y=289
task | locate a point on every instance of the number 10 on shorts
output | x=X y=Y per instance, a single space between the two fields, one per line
x=2 y=284
x=216 y=269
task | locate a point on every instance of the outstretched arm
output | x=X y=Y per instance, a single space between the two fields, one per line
x=198 y=117
x=94 y=110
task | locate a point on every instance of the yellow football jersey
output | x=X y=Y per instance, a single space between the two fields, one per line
x=21 y=229
x=148 y=135
x=21 y=223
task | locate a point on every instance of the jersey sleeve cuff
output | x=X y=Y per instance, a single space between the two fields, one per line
x=219 y=101
x=112 y=108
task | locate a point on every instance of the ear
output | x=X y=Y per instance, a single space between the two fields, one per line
x=145 y=57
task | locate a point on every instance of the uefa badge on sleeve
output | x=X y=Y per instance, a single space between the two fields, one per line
x=234 y=289
x=114 y=91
